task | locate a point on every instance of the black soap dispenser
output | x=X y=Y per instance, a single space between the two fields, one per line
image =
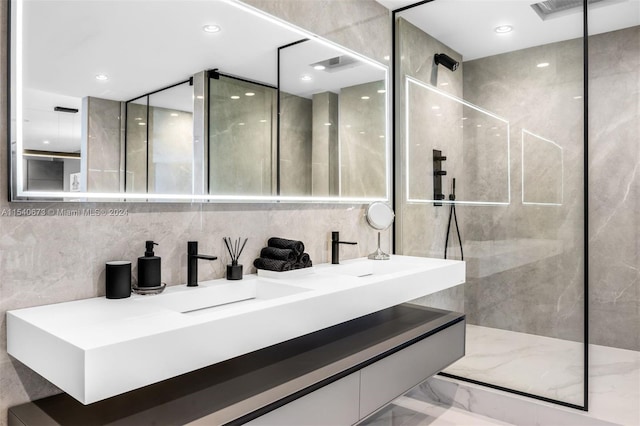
x=149 y=268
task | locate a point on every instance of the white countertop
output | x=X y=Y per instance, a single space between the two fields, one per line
x=97 y=348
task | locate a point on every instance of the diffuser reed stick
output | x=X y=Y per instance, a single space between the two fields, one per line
x=234 y=248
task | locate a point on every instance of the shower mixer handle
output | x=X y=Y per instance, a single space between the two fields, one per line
x=440 y=173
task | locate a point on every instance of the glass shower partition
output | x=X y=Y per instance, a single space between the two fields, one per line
x=159 y=141
x=242 y=137
x=508 y=125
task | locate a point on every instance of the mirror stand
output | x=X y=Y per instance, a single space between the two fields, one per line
x=379 y=254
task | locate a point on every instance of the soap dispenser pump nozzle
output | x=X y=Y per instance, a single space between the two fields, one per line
x=149 y=250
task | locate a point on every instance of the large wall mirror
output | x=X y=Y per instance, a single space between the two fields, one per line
x=189 y=101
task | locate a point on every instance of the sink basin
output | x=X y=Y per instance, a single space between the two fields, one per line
x=362 y=268
x=196 y=300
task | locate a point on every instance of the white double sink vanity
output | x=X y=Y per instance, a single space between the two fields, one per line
x=269 y=349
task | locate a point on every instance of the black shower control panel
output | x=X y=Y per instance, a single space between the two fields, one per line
x=438 y=158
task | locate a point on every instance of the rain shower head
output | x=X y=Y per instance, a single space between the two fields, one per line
x=447 y=61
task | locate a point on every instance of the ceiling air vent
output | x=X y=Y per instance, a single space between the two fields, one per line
x=552 y=8
x=337 y=63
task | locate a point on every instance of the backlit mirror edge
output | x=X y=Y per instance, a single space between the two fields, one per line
x=16 y=193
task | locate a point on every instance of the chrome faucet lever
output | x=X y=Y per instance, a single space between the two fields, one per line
x=335 y=247
x=192 y=263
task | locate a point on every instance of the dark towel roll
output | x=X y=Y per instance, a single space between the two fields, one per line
x=283 y=243
x=303 y=261
x=273 y=264
x=278 y=254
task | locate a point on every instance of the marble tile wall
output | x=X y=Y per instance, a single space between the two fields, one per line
x=295 y=145
x=362 y=140
x=324 y=144
x=241 y=138
x=541 y=295
x=102 y=147
x=614 y=185
x=136 y=148
x=59 y=258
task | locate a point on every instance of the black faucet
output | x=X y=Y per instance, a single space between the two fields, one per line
x=335 y=247
x=192 y=263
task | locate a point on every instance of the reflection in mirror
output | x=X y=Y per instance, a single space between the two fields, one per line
x=333 y=133
x=99 y=77
x=159 y=141
x=242 y=137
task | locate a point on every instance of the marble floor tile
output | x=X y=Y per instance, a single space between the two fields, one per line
x=535 y=364
x=554 y=368
x=539 y=365
x=406 y=411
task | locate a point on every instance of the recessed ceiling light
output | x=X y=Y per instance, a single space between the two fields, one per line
x=211 y=28
x=235 y=97
x=263 y=121
x=382 y=91
x=240 y=124
x=478 y=125
x=249 y=94
x=306 y=78
x=543 y=65
x=138 y=118
x=362 y=133
x=46 y=142
x=174 y=114
x=577 y=97
x=365 y=98
x=464 y=118
x=444 y=84
x=199 y=97
x=503 y=29
x=327 y=124
x=319 y=67
x=142 y=124
x=381 y=136
x=102 y=77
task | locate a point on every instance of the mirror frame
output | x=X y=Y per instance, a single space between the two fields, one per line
x=15 y=109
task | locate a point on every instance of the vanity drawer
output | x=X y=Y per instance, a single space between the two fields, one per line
x=392 y=376
x=334 y=404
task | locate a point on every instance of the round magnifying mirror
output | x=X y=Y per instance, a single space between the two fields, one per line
x=379 y=216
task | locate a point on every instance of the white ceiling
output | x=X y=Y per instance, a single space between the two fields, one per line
x=467 y=26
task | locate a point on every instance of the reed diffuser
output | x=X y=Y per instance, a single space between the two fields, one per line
x=234 y=270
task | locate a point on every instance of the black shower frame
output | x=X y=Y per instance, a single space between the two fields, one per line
x=398 y=194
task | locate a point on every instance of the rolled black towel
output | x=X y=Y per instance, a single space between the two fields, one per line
x=278 y=254
x=273 y=264
x=303 y=261
x=283 y=243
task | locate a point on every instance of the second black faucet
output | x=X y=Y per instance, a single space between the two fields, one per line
x=335 y=247
x=192 y=263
